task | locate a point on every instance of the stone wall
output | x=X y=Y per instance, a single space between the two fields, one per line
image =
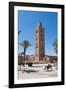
x=32 y=58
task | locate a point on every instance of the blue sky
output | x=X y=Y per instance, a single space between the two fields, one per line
x=27 y=23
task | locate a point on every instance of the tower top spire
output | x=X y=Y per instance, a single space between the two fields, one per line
x=39 y=24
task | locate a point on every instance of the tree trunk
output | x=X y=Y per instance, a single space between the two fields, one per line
x=24 y=55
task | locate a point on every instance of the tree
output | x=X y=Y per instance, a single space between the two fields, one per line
x=18 y=43
x=18 y=38
x=25 y=44
x=55 y=45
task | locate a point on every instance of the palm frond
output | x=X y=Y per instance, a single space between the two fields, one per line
x=55 y=46
x=19 y=32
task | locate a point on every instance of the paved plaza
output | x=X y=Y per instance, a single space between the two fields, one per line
x=36 y=71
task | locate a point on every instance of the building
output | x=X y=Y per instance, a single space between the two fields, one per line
x=20 y=60
x=40 y=42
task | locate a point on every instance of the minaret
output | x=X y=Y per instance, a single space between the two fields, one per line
x=40 y=43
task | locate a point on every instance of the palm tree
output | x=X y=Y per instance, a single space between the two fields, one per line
x=25 y=44
x=18 y=38
x=55 y=46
